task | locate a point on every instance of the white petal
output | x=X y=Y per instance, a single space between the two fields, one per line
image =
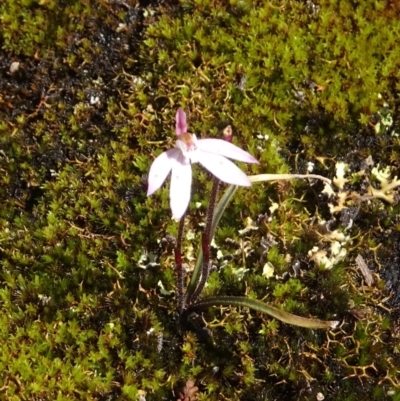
x=224 y=148
x=223 y=169
x=160 y=168
x=181 y=183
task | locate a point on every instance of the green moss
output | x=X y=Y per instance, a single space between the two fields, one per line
x=83 y=249
x=291 y=287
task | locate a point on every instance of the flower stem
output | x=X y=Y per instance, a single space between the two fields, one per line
x=180 y=275
x=206 y=241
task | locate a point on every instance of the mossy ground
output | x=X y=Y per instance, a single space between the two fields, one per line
x=87 y=303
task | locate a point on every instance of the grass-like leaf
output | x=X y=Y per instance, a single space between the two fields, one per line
x=257 y=305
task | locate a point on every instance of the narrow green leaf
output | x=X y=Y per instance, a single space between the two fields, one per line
x=222 y=205
x=265 y=308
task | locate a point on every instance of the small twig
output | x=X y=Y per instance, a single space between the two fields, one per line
x=114 y=269
x=365 y=271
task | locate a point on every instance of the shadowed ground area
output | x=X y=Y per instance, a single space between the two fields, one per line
x=88 y=96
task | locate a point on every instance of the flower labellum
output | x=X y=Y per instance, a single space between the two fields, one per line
x=210 y=153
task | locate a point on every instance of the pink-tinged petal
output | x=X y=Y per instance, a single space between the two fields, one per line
x=160 y=168
x=181 y=183
x=223 y=169
x=224 y=148
x=180 y=126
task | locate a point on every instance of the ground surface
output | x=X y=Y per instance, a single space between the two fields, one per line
x=88 y=95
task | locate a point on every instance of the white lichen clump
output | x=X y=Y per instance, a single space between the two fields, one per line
x=331 y=249
x=385 y=192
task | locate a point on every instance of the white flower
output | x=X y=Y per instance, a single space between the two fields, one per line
x=211 y=153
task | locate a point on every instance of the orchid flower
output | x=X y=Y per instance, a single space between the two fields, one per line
x=211 y=153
